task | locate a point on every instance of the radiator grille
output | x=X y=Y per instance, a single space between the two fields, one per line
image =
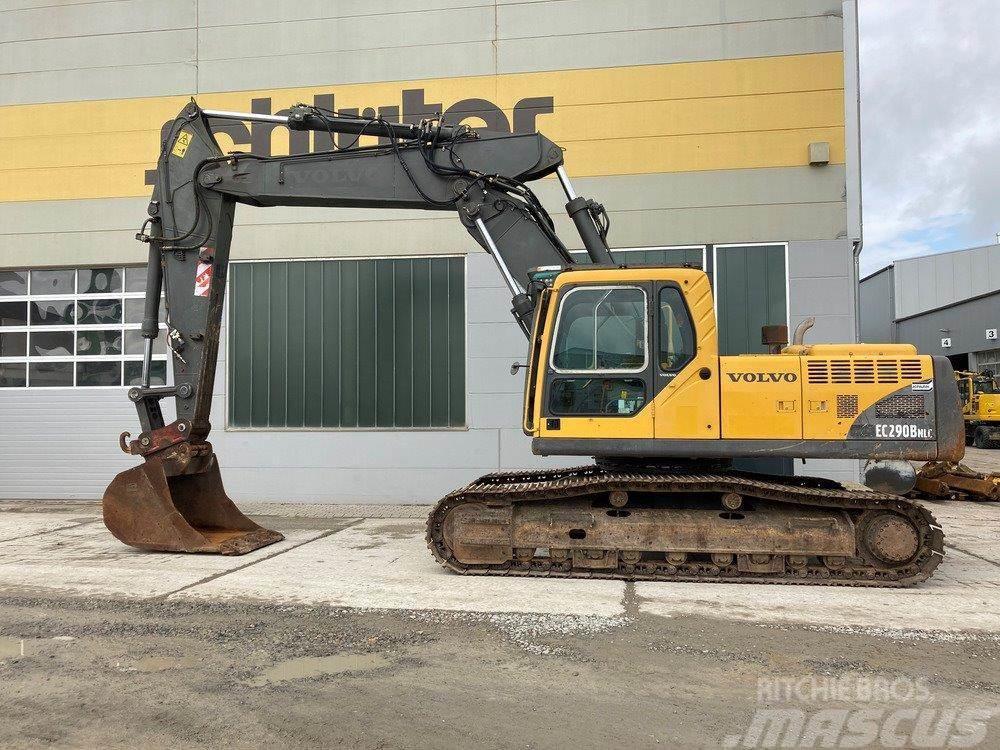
x=901 y=407
x=817 y=371
x=863 y=371
x=847 y=406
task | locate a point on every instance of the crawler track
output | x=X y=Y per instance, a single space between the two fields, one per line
x=896 y=542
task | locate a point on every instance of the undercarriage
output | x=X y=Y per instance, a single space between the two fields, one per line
x=671 y=524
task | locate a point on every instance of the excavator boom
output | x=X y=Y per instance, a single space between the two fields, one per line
x=175 y=500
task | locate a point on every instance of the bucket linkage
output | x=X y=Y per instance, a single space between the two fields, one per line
x=175 y=501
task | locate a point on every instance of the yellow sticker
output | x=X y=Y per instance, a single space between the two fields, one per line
x=181 y=144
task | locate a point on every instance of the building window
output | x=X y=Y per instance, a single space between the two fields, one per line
x=373 y=343
x=75 y=327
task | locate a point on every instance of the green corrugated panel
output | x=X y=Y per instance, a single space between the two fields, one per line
x=663 y=256
x=384 y=381
x=295 y=370
x=750 y=289
x=313 y=345
x=260 y=332
x=352 y=343
x=367 y=368
x=439 y=344
x=350 y=366
x=420 y=327
x=456 y=341
x=328 y=338
x=277 y=346
x=402 y=329
x=238 y=356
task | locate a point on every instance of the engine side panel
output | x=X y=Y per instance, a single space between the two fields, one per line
x=761 y=397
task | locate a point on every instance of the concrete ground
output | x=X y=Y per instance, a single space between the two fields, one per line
x=349 y=632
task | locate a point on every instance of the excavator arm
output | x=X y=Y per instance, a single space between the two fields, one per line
x=175 y=500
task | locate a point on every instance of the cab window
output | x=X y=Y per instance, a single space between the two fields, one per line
x=601 y=329
x=676 y=346
x=608 y=396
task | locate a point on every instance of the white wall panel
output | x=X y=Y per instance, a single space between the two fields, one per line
x=102 y=51
x=934 y=281
x=238 y=12
x=44 y=19
x=668 y=45
x=386 y=32
x=563 y=17
x=323 y=68
x=112 y=83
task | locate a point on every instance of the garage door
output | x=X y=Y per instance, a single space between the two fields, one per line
x=750 y=292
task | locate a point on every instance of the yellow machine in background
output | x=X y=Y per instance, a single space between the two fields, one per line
x=980 y=393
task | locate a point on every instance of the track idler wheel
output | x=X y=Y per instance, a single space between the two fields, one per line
x=175 y=502
x=891 y=538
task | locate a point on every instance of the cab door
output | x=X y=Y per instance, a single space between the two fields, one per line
x=685 y=360
x=597 y=374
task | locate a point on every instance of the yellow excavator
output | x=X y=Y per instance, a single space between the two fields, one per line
x=980 y=392
x=623 y=366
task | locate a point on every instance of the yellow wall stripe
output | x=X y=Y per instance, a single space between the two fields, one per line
x=728 y=114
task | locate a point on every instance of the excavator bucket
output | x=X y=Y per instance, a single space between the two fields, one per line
x=175 y=502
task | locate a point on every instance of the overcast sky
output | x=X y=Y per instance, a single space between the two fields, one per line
x=930 y=124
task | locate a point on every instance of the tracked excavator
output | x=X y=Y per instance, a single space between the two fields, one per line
x=623 y=366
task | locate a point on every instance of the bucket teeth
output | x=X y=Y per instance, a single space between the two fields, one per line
x=175 y=502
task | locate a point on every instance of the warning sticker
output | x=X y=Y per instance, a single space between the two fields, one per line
x=203 y=279
x=182 y=143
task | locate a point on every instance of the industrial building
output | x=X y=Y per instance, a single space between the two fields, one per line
x=720 y=134
x=947 y=304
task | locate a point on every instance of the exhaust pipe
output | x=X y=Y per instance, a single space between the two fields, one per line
x=800 y=331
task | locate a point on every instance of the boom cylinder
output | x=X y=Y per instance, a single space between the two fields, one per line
x=579 y=210
x=306 y=118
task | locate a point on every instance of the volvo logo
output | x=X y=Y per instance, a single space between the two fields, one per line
x=763 y=377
